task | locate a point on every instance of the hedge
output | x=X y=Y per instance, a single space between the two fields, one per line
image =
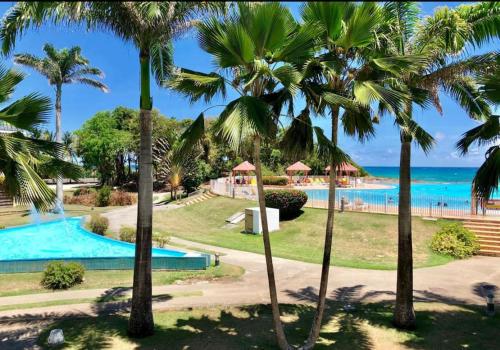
x=275 y=180
x=289 y=202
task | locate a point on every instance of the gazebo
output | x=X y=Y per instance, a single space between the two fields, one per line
x=344 y=169
x=297 y=167
x=243 y=168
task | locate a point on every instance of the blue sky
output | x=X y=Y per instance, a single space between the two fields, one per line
x=119 y=61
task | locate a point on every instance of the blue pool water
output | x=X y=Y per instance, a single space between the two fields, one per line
x=65 y=239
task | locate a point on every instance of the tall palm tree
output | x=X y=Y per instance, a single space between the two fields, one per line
x=436 y=41
x=342 y=80
x=60 y=67
x=25 y=160
x=255 y=50
x=150 y=27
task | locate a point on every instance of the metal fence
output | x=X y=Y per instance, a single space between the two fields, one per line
x=373 y=201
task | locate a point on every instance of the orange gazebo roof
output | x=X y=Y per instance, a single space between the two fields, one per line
x=346 y=167
x=245 y=166
x=298 y=166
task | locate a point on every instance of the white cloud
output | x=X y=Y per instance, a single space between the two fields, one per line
x=439 y=136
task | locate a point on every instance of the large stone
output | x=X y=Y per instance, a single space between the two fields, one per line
x=56 y=337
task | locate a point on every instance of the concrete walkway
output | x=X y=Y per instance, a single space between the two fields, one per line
x=456 y=282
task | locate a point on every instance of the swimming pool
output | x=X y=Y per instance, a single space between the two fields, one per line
x=28 y=248
x=451 y=195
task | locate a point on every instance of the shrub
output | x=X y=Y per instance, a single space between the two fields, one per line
x=455 y=240
x=289 y=202
x=98 y=224
x=160 y=239
x=127 y=234
x=275 y=180
x=60 y=275
x=103 y=195
x=121 y=198
x=87 y=199
x=84 y=191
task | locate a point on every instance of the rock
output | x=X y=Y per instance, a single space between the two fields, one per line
x=56 y=337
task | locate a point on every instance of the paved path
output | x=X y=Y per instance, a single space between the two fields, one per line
x=456 y=282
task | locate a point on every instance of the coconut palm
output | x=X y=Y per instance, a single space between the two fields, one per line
x=437 y=41
x=485 y=182
x=254 y=50
x=343 y=80
x=150 y=27
x=60 y=67
x=25 y=160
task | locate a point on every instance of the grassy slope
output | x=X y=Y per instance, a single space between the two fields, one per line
x=29 y=283
x=368 y=327
x=361 y=240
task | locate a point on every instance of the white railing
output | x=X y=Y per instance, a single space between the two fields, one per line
x=373 y=201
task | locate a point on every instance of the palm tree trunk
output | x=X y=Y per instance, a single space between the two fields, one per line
x=141 y=315
x=325 y=268
x=59 y=181
x=404 y=314
x=278 y=326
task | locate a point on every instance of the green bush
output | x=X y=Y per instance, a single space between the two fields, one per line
x=455 y=240
x=160 y=239
x=98 y=224
x=127 y=234
x=83 y=191
x=60 y=275
x=289 y=202
x=275 y=180
x=103 y=196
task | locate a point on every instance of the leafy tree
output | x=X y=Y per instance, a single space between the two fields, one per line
x=25 y=160
x=344 y=79
x=150 y=27
x=60 y=67
x=434 y=45
x=254 y=49
x=100 y=145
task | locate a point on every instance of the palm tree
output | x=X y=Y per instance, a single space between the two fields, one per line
x=150 y=27
x=485 y=182
x=436 y=42
x=343 y=79
x=60 y=67
x=25 y=160
x=255 y=50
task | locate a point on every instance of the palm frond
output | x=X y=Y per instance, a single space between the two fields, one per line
x=485 y=182
x=328 y=151
x=93 y=83
x=298 y=142
x=244 y=117
x=28 y=112
x=486 y=133
x=161 y=61
x=196 y=85
x=190 y=138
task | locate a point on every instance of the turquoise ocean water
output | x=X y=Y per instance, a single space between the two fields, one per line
x=427 y=174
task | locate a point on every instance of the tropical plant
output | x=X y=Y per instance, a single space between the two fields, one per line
x=433 y=45
x=343 y=80
x=289 y=202
x=455 y=240
x=485 y=182
x=24 y=160
x=255 y=49
x=60 y=67
x=150 y=27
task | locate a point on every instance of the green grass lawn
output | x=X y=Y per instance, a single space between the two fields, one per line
x=367 y=327
x=361 y=240
x=29 y=283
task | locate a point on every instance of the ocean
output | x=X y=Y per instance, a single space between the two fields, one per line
x=428 y=174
